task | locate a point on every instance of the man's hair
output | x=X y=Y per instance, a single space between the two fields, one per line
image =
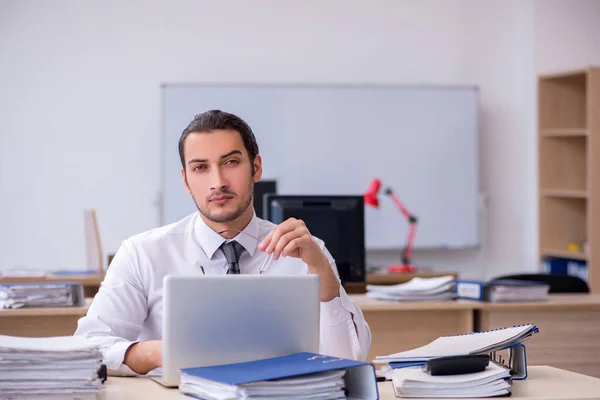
x=220 y=120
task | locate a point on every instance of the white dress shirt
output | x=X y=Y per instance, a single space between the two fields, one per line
x=128 y=307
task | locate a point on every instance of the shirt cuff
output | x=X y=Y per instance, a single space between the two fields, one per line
x=115 y=354
x=334 y=313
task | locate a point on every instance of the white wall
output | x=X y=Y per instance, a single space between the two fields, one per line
x=80 y=106
x=567 y=35
x=497 y=54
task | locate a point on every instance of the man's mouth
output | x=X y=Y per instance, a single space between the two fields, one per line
x=221 y=199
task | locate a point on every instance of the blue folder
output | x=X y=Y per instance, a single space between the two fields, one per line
x=360 y=376
x=406 y=364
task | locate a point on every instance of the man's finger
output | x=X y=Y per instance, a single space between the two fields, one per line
x=283 y=241
x=271 y=237
x=294 y=244
x=268 y=243
x=262 y=246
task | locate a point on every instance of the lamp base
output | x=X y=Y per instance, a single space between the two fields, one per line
x=401 y=268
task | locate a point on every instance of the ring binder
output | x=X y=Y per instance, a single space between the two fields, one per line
x=517 y=360
x=466 y=343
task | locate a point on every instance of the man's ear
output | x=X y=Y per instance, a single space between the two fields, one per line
x=184 y=179
x=257 y=168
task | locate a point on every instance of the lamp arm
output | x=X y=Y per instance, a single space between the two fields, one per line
x=412 y=220
x=407 y=252
x=398 y=203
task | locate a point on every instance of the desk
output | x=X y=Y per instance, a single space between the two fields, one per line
x=90 y=283
x=543 y=383
x=40 y=322
x=398 y=326
x=568 y=338
x=569 y=329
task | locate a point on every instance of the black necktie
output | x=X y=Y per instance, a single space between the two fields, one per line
x=232 y=251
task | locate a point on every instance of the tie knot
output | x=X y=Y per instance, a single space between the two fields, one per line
x=232 y=251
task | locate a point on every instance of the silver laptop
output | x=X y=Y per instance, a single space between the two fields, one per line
x=220 y=319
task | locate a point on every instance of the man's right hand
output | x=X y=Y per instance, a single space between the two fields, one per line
x=143 y=357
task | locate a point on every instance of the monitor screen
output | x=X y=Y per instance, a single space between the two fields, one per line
x=260 y=189
x=337 y=220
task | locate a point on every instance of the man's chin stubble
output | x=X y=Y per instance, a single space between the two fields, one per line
x=223 y=218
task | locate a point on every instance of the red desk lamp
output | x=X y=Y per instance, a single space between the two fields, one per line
x=372 y=200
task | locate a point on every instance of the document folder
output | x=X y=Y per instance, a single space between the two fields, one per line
x=359 y=378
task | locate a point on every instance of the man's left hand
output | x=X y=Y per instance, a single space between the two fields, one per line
x=292 y=238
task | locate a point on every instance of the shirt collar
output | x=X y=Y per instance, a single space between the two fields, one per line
x=210 y=241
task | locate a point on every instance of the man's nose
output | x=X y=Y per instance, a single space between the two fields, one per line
x=218 y=181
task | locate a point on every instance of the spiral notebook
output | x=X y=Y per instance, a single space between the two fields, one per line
x=469 y=343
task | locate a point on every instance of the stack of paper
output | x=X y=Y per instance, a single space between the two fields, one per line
x=294 y=376
x=441 y=288
x=54 y=367
x=414 y=382
x=473 y=343
x=59 y=294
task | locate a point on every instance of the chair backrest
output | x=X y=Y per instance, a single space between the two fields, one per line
x=558 y=283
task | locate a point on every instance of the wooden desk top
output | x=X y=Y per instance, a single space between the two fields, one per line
x=370 y=304
x=95 y=280
x=46 y=311
x=543 y=383
x=85 y=280
x=555 y=302
x=579 y=301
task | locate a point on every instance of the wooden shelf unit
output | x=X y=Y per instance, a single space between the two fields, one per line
x=565 y=193
x=569 y=167
x=564 y=254
x=563 y=132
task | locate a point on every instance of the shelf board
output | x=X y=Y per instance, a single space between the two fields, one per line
x=563 y=74
x=564 y=254
x=567 y=194
x=575 y=132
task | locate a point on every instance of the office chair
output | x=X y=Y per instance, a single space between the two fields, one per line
x=559 y=283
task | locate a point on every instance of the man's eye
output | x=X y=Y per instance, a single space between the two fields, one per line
x=229 y=162
x=199 y=167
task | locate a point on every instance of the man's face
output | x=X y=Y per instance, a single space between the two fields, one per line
x=218 y=174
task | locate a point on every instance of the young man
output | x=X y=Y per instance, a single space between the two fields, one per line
x=220 y=164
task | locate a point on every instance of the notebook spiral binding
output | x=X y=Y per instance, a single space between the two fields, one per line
x=534 y=329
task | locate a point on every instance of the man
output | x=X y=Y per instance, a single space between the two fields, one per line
x=220 y=163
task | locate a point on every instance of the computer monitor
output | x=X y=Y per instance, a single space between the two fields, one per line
x=337 y=220
x=260 y=189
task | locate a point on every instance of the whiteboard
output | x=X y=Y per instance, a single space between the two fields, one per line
x=420 y=141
